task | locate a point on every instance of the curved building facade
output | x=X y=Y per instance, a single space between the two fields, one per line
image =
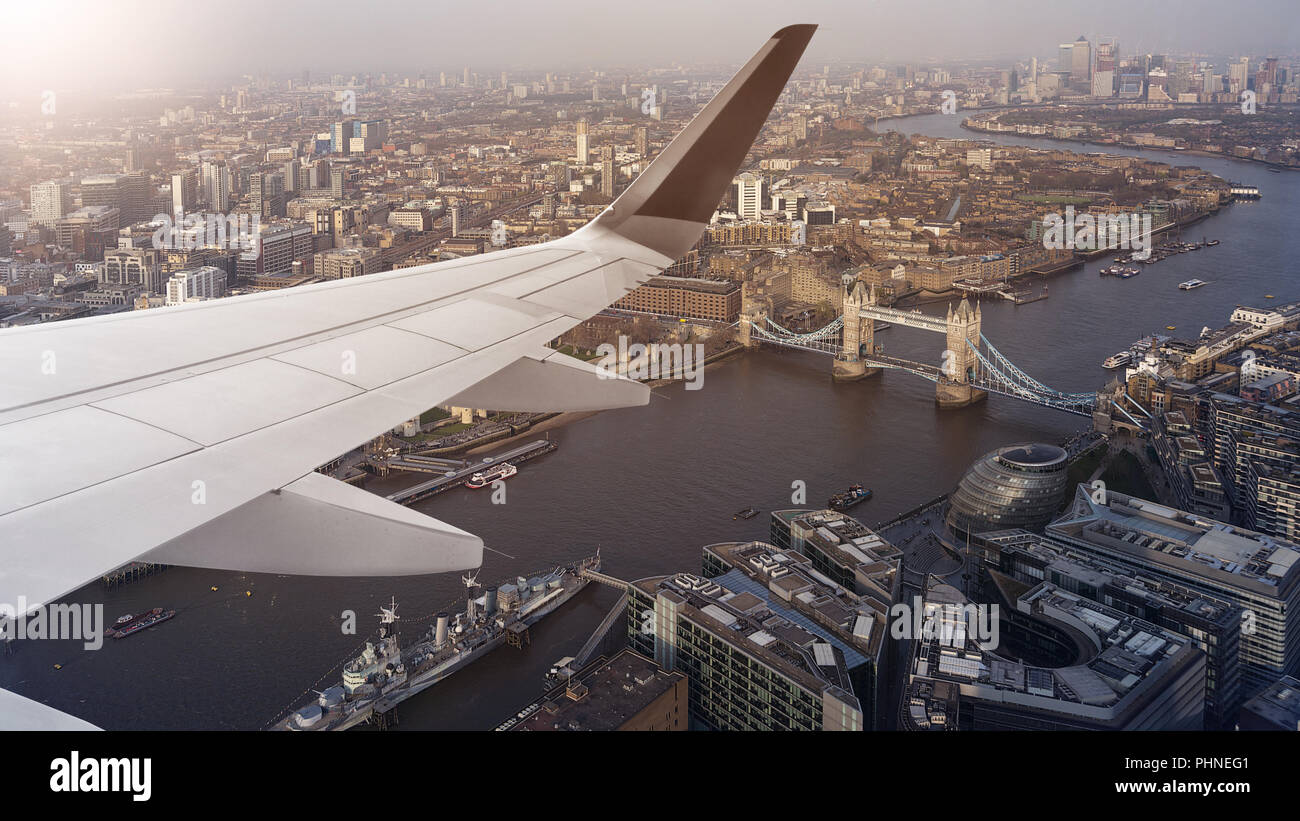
x=1019 y=485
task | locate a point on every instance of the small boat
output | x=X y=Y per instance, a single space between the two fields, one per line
x=747 y=513
x=487 y=477
x=1268 y=296
x=849 y=498
x=1169 y=328
x=1211 y=242
x=1190 y=284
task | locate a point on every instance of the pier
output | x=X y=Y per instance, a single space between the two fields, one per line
x=131 y=571
x=454 y=477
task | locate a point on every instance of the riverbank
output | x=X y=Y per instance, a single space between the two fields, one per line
x=1103 y=145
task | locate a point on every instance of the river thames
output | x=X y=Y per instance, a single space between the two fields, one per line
x=650 y=486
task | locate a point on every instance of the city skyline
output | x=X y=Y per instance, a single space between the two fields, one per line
x=66 y=38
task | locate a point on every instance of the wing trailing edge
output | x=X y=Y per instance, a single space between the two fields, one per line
x=318 y=526
x=548 y=381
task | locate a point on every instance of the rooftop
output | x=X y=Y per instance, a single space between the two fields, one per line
x=1166 y=536
x=602 y=696
x=1278 y=704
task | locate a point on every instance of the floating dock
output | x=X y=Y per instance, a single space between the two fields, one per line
x=454 y=478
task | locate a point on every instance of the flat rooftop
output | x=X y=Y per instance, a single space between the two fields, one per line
x=609 y=693
x=1278 y=704
x=1191 y=542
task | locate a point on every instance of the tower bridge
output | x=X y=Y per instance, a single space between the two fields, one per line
x=970 y=370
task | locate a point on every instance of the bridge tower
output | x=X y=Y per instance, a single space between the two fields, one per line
x=752 y=309
x=859 y=332
x=960 y=364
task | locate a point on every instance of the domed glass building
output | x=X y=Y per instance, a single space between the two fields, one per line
x=1019 y=485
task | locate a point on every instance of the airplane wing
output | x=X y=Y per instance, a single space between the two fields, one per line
x=189 y=435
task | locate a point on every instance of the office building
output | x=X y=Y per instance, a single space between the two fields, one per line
x=1076 y=665
x=1103 y=74
x=341 y=134
x=1213 y=624
x=1255 y=571
x=217 y=185
x=184 y=192
x=1275 y=708
x=133 y=266
x=50 y=201
x=275 y=248
x=1081 y=65
x=196 y=284
x=343 y=263
x=766 y=644
x=749 y=195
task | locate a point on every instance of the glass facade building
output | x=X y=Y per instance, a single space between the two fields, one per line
x=1015 y=486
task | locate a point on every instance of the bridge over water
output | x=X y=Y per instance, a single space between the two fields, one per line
x=971 y=368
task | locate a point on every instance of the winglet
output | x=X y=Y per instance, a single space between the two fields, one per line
x=667 y=207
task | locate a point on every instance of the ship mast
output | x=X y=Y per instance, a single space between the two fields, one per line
x=471 y=582
x=388 y=618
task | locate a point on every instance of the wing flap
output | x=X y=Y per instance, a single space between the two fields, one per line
x=549 y=381
x=318 y=526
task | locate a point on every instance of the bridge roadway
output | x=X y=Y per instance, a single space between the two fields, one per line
x=910 y=319
x=453 y=478
x=608 y=581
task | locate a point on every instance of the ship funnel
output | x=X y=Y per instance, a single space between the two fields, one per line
x=440 y=637
x=490 y=602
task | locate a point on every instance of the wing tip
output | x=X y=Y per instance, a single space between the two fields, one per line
x=667 y=206
x=804 y=30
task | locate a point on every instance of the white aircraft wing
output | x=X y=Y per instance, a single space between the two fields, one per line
x=190 y=434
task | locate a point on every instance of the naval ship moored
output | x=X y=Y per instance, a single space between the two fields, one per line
x=384 y=674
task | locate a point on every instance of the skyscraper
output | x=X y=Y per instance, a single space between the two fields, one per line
x=642 y=142
x=607 y=171
x=1103 y=76
x=1081 y=64
x=216 y=185
x=583 y=148
x=183 y=192
x=749 y=195
x=341 y=136
x=1239 y=75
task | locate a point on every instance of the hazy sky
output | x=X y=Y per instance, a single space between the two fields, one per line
x=148 y=43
